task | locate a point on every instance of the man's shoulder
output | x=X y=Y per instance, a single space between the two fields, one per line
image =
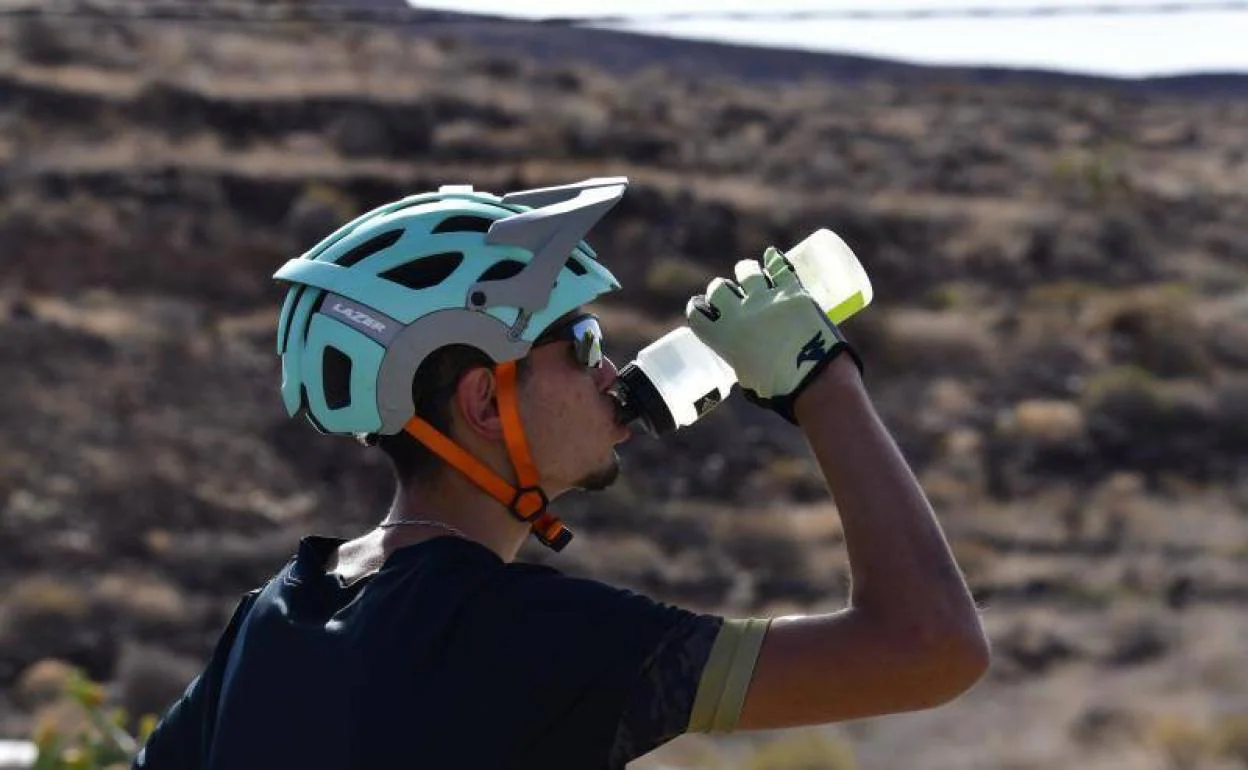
x=549 y=601
x=549 y=585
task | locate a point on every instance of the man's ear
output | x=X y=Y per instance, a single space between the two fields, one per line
x=476 y=401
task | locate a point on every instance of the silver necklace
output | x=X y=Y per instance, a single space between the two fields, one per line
x=425 y=523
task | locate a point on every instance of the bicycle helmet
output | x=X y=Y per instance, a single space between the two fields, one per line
x=368 y=304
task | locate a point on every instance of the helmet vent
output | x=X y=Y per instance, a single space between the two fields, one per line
x=463 y=224
x=369 y=248
x=426 y=271
x=284 y=333
x=500 y=270
x=576 y=267
x=307 y=413
x=336 y=377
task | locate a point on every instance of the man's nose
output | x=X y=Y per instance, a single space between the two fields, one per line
x=606 y=374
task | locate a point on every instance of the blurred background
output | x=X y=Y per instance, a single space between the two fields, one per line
x=1053 y=218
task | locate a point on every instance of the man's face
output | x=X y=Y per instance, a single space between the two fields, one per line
x=569 y=418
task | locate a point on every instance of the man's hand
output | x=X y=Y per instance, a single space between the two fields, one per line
x=769 y=330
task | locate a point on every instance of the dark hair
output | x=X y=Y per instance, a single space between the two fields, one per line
x=432 y=390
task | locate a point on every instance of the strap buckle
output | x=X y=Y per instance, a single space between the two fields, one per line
x=528 y=503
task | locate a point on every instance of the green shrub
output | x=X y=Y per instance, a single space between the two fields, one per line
x=81 y=732
x=1098 y=175
x=807 y=750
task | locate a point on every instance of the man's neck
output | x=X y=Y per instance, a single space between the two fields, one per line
x=455 y=502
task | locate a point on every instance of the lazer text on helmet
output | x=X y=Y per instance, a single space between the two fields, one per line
x=358 y=317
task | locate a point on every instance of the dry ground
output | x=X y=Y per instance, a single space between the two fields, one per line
x=1059 y=341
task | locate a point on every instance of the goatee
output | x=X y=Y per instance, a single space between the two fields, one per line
x=598 y=480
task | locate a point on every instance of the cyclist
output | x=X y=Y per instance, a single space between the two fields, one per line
x=449 y=330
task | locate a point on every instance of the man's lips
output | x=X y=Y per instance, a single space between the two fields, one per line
x=618 y=413
x=619 y=417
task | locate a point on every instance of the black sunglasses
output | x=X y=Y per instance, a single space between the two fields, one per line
x=585 y=335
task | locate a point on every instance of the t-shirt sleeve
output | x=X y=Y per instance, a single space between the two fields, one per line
x=695 y=681
x=619 y=670
x=661 y=700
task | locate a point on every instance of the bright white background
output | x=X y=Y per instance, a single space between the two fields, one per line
x=1126 y=46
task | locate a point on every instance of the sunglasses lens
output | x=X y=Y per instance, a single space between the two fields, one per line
x=587 y=339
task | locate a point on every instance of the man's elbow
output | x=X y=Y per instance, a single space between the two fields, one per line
x=953 y=662
x=972 y=654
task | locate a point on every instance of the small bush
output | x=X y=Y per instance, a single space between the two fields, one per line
x=1184 y=744
x=1032 y=648
x=1138 y=421
x=1138 y=641
x=1067 y=296
x=1037 y=440
x=1124 y=385
x=44 y=682
x=1231 y=738
x=807 y=750
x=789 y=478
x=80 y=732
x=42 y=613
x=1046 y=360
x=1228 y=343
x=1155 y=328
x=1232 y=415
x=363 y=133
x=43 y=42
x=1096 y=175
x=1124 y=244
x=947 y=296
x=1101 y=724
x=144 y=602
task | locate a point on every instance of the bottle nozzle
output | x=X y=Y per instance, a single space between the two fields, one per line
x=639 y=403
x=626 y=412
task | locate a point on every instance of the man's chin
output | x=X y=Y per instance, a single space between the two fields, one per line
x=602 y=478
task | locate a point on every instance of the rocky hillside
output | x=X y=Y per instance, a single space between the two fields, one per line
x=1059 y=340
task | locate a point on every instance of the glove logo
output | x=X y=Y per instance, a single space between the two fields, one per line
x=812 y=351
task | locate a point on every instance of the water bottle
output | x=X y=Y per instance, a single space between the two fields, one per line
x=676 y=379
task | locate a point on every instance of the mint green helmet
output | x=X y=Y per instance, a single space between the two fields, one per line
x=368 y=304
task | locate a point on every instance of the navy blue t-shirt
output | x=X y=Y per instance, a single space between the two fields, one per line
x=447 y=657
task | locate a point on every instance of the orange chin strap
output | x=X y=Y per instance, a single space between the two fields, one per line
x=527 y=502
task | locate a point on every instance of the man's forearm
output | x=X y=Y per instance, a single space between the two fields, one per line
x=903 y=572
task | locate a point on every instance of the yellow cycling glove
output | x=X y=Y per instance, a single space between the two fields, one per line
x=767 y=327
